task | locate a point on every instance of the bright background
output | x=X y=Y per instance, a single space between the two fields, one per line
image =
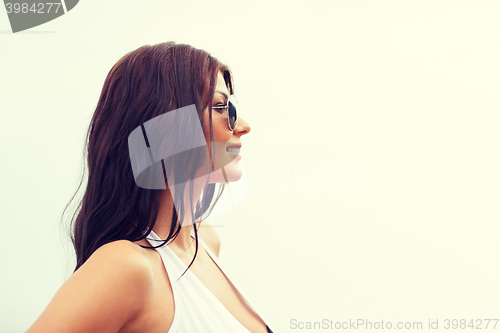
x=406 y=89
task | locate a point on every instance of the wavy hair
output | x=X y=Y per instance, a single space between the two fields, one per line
x=143 y=84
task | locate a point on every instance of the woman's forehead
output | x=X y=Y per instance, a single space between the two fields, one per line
x=221 y=85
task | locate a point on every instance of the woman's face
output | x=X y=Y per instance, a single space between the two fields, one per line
x=226 y=158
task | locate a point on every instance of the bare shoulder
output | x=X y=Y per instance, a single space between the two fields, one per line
x=116 y=248
x=121 y=261
x=103 y=295
x=210 y=237
x=126 y=255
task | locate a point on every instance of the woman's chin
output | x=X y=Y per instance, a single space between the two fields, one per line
x=233 y=174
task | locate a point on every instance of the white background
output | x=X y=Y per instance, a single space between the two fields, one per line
x=407 y=88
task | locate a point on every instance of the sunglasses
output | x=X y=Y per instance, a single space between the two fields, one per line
x=232 y=115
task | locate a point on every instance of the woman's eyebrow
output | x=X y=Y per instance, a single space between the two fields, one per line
x=222 y=93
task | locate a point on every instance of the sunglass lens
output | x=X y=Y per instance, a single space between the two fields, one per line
x=233 y=116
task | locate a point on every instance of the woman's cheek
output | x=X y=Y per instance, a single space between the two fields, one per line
x=221 y=133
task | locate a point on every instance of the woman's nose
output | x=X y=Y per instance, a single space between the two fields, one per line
x=243 y=126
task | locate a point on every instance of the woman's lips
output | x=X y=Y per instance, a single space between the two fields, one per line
x=234 y=153
x=233 y=150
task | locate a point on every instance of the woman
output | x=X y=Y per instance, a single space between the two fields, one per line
x=145 y=261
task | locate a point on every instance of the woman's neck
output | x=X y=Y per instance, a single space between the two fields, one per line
x=163 y=222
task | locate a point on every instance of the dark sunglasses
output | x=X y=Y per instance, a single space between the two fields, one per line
x=232 y=115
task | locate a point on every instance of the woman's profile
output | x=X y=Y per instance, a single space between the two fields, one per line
x=163 y=140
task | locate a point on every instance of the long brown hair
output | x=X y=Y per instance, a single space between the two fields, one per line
x=142 y=85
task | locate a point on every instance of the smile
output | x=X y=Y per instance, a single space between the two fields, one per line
x=233 y=150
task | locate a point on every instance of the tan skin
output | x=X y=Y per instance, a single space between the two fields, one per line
x=124 y=288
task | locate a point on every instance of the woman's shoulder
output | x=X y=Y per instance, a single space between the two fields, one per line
x=116 y=279
x=125 y=250
x=121 y=258
x=143 y=281
x=130 y=266
x=121 y=267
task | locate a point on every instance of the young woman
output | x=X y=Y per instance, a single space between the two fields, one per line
x=145 y=260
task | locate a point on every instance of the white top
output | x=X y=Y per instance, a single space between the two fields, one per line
x=196 y=308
